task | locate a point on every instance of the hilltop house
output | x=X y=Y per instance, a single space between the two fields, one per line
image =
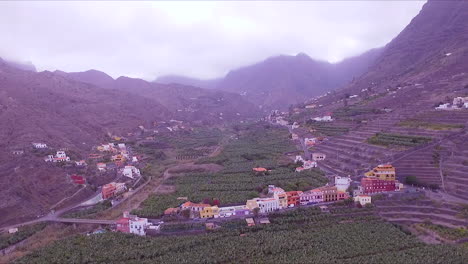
x=299 y=158
x=60 y=156
x=101 y=166
x=131 y=172
x=39 y=145
x=342 y=183
x=363 y=199
x=383 y=172
x=318 y=156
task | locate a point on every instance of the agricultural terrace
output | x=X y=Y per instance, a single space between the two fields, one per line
x=24 y=232
x=388 y=139
x=297 y=236
x=429 y=125
x=260 y=145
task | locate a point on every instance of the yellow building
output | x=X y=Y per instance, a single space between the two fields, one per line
x=209 y=211
x=251 y=204
x=283 y=200
x=383 y=172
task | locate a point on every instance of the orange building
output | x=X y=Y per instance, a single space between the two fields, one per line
x=294 y=198
x=108 y=190
x=383 y=172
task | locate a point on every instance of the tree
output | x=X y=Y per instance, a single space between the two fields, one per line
x=185 y=213
x=256 y=211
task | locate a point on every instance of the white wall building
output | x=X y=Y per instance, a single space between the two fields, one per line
x=318 y=156
x=267 y=205
x=309 y=164
x=40 y=145
x=138 y=226
x=131 y=172
x=342 y=183
x=363 y=199
x=311 y=197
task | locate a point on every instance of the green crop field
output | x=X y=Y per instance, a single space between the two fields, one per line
x=298 y=236
x=261 y=146
x=387 y=139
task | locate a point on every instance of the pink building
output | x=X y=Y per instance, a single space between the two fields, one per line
x=311 y=197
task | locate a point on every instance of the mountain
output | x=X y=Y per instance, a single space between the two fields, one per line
x=278 y=82
x=431 y=47
x=25 y=66
x=95 y=77
x=424 y=66
x=63 y=113
x=174 y=79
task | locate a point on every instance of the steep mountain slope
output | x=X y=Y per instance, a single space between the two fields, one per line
x=187 y=102
x=173 y=79
x=278 y=82
x=424 y=65
x=46 y=107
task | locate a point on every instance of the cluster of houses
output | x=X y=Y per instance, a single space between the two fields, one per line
x=458 y=103
x=136 y=225
x=60 y=156
x=275 y=200
x=309 y=164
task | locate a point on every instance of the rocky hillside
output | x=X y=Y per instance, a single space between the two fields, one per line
x=173 y=79
x=426 y=64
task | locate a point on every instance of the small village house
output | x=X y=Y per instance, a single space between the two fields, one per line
x=101 y=166
x=60 y=156
x=293 y=198
x=39 y=145
x=131 y=172
x=363 y=199
x=194 y=207
x=81 y=163
x=311 y=197
x=112 y=189
x=12 y=230
x=171 y=211
x=329 y=193
x=318 y=156
x=138 y=225
x=209 y=212
x=371 y=185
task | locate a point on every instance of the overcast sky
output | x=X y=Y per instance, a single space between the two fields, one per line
x=196 y=39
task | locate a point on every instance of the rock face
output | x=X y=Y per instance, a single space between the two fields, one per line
x=432 y=47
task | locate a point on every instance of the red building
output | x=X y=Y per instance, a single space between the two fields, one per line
x=78 y=179
x=108 y=190
x=123 y=225
x=376 y=185
x=294 y=198
x=342 y=195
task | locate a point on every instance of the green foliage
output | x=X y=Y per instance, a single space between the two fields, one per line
x=447 y=232
x=24 y=232
x=327 y=129
x=298 y=236
x=412 y=123
x=259 y=146
x=387 y=139
x=99 y=207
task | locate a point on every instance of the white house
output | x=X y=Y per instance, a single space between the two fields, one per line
x=443 y=106
x=310 y=141
x=134 y=159
x=295 y=125
x=138 y=225
x=40 y=145
x=363 y=199
x=81 y=163
x=60 y=156
x=267 y=204
x=12 y=230
x=318 y=156
x=131 y=172
x=309 y=164
x=325 y=118
x=299 y=158
x=342 y=183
